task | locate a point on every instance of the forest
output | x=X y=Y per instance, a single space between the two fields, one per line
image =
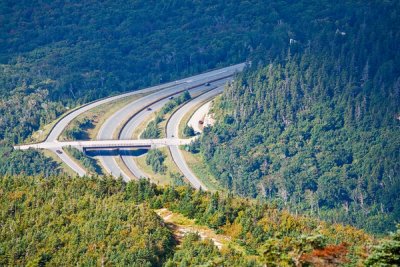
x=309 y=131
x=63 y=220
x=317 y=130
x=56 y=55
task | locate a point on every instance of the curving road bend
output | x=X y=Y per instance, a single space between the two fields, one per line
x=182 y=84
x=110 y=126
x=173 y=130
x=136 y=120
x=59 y=127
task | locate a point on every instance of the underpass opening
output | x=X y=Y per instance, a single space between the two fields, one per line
x=134 y=152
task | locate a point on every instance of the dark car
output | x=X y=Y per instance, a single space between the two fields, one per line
x=148 y=109
x=171 y=97
x=207 y=84
x=59 y=151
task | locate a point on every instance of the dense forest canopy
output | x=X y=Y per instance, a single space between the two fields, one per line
x=318 y=129
x=57 y=54
x=312 y=124
x=107 y=222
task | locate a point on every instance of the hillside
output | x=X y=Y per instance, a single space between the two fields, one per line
x=92 y=221
x=317 y=130
x=56 y=55
x=306 y=139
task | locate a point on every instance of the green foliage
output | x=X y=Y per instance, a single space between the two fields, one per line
x=188 y=131
x=173 y=103
x=79 y=130
x=63 y=221
x=317 y=130
x=155 y=158
x=89 y=163
x=387 y=253
x=94 y=221
x=194 y=146
x=195 y=252
x=152 y=130
x=30 y=162
x=177 y=179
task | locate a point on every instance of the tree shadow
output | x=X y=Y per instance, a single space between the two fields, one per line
x=116 y=152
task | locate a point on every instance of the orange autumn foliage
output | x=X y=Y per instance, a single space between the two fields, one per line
x=331 y=255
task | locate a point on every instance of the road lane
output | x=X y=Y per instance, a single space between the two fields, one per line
x=69 y=161
x=111 y=125
x=173 y=131
x=134 y=122
x=59 y=127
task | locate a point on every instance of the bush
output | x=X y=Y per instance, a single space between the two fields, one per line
x=155 y=158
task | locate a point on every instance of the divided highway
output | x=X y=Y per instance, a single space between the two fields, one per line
x=136 y=120
x=122 y=123
x=173 y=133
x=132 y=115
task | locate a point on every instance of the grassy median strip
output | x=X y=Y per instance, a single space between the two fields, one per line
x=89 y=164
x=159 y=178
x=124 y=168
x=97 y=116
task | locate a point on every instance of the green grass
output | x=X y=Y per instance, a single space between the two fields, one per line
x=200 y=169
x=158 y=178
x=64 y=167
x=138 y=130
x=99 y=115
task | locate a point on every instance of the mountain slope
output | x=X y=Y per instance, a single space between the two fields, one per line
x=91 y=221
x=317 y=130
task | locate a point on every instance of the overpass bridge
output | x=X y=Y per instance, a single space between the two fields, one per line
x=109 y=144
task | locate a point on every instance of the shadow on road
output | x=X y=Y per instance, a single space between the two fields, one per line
x=117 y=152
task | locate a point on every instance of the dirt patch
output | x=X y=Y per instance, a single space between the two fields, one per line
x=180 y=225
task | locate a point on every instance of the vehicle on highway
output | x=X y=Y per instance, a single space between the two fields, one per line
x=59 y=151
x=207 y=84
x=171 y=97
x=148 y=109
x=201 y=122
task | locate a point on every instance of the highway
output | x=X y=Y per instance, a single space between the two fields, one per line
x=59 y=127
x=135 y=121
x=173 y=132
x=128 y=130
x=110 y=128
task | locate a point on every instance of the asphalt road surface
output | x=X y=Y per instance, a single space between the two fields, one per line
x=135 y=121
x=111 y=125
x=173 y=130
